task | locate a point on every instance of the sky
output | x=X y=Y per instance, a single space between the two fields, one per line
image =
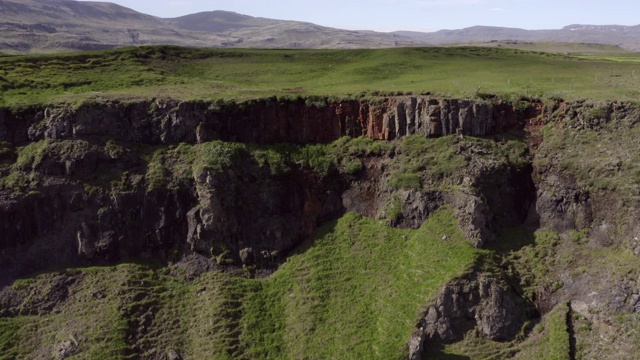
x=414 y=15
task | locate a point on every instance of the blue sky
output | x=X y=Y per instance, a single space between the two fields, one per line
x=419 y=15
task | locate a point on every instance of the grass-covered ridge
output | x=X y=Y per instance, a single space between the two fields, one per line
x=240 y=74
x=354 y=291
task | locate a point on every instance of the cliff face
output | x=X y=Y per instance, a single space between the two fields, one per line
x=106 y=183
x=266 y=121
x=242 y=208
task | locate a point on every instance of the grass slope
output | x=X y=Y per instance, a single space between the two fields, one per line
x=240 y=74
x=612 y=161
x=355 y=291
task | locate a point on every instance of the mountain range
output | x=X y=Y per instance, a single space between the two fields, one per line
x=35 y=26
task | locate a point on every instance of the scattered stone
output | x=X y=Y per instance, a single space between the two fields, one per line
x=65 y=349
x=173 y=355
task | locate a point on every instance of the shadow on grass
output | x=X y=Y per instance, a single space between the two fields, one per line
x=436 y=351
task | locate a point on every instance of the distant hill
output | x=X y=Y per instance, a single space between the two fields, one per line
x=50 y=25
x=35 y=26
x=62 y=25
x=627 y=37
x=220 y=21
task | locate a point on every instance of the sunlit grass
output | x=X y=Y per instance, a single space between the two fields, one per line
x=242 y=74
x=354 y=291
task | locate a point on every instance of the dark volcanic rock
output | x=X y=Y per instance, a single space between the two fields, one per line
x=241 y=214
x=485 y=303
x=264 y=121
x=258 y=219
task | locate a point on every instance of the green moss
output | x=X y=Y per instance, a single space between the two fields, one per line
x=394 y=208
x=113 y=149
x=317 y=157
x=351 y=165
x=157 y=176
x=535 y=261
x=597 y=113
x=11 y=340
x=609 y=166
x=31 y=155
x=274 y=159
x=419 y=160
x=218 y=156
x=407 y=181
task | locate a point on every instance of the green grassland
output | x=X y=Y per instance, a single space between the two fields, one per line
x=353 y=292
x=582 y=49
x=240 y=74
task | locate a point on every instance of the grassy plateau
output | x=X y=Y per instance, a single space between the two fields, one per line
x=240 y=74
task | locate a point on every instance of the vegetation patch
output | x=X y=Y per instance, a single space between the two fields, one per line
x=378 y=278
x=551 y=338
x=611 y=164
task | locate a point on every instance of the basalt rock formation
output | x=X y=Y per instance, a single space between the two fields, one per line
x=484 y=303
x=266 y=121
x=103 y=183
x=216 y=212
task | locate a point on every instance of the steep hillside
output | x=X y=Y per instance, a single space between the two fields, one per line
x=64 y=12
x=239 y=254
x=295 y=225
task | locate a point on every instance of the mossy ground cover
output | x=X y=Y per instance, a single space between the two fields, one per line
x=241 y=74
x=354 y=291
x=550 y=338
x=612 y=148
x=413 y=162
x=538 y=259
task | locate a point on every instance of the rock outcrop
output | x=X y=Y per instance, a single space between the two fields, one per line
x=484 y=303
x=266 y=121
x=242 y=214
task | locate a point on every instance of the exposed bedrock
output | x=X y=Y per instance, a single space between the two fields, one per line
x=263 y=121
x=244 y=214
x=240 y=216
x=586 y=173
x=482 y=302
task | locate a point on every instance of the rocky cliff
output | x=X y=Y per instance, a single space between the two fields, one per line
x=267 y=121
x=245 y=185
x=72 y=157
